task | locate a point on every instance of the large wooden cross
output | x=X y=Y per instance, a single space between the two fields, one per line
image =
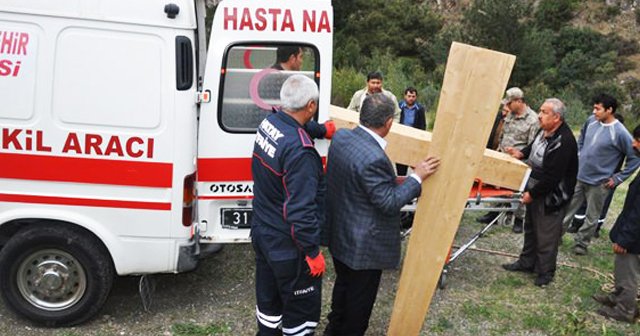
x=474 y=81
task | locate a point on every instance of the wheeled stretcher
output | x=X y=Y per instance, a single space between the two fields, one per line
x=481 y=198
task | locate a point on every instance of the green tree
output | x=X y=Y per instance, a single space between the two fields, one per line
x=536 y=57
x=404 y=26
x=497 y=24
x=554 y=14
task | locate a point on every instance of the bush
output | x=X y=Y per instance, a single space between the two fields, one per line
x=344 y=82
x=613 y=11
x=585 y=39
x=346 y=52
x=632 y=115
x=536 y=94
x=553 y=14
x=404 y=26
x=577 y=112
x=496 y=24
x=399 y=72
x=537 y=55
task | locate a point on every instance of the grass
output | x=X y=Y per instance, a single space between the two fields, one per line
x=481 y=298
x=191 y=329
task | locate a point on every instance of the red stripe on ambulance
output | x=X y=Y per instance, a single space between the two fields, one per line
x=84 y=202
x=228 y=169
x=85 y=170
x=224 y=169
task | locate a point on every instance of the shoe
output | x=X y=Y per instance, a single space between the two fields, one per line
x=616 y=314
x=517 y=267
x=488 y=217
x=605 y=299
x=543 y=279
x=575 y=225
x=597 y=233
x=579 y=250
x=518 y=226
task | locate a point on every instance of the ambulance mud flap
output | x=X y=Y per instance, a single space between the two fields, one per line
x=188 y=257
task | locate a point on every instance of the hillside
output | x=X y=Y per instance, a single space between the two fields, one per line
x=568 y=49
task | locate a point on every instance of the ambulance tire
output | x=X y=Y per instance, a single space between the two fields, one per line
x=55 y=275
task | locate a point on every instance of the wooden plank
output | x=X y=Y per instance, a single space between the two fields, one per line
x=474 y=82
x=408 y=145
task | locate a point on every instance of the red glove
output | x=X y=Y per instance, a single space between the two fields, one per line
x=316 y=265
x=331 y=128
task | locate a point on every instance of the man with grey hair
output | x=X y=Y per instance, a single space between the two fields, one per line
x=288 y=209
x=553 y=158
x=362 y=228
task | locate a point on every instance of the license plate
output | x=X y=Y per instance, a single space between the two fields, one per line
x=236 y=218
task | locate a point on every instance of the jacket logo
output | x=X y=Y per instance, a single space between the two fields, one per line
x=272 y=133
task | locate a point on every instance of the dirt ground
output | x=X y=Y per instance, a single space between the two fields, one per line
x=480 y=298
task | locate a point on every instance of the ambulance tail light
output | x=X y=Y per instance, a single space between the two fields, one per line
x=189 y=200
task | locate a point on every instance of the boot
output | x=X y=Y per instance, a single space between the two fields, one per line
x=517 y=267
x=543 y=279
x=598 y=226
x=616 y=314
x=576 y=223
x=608 y=300
x=518 y=225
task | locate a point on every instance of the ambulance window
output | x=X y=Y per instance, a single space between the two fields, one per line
x=251 y=80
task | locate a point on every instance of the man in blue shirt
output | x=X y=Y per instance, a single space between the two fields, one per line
x=603 y=142
x=411 y=114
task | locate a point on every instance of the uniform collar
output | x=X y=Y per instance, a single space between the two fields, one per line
x=287 y=118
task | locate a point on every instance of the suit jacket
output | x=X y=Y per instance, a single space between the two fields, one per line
x=362 y=227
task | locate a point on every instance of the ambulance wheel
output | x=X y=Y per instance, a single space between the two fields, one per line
x=54 y=275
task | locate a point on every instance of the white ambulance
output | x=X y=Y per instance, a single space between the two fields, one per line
x=120 y=151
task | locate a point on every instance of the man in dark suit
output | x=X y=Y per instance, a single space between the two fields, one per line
x=362 y=226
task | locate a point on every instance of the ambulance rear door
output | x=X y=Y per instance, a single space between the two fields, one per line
x=242 y=83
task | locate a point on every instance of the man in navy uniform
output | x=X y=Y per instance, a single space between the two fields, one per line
x=288 y=208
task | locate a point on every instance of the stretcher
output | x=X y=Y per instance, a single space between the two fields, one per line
x=483 y=198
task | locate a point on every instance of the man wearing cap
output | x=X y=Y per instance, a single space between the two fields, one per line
x=521 y=125
x=519 y=130
x=374 y=85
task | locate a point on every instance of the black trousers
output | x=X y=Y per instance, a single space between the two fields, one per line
x=542 y=234
x=288 y=297
x=353 y=296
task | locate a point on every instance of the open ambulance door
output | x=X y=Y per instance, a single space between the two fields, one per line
x=244 y=85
